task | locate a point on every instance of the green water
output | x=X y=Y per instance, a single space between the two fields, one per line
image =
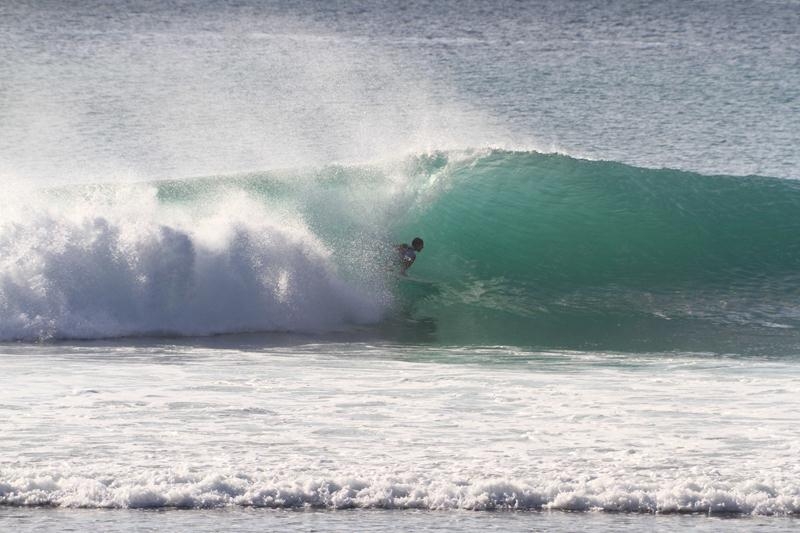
x=531 y=248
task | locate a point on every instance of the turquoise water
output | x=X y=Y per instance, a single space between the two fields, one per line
x=524 y=248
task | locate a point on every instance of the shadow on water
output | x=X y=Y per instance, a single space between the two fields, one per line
x=406 y=328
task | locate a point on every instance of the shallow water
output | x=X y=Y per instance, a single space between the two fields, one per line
x=340 y=426
x=335 y=521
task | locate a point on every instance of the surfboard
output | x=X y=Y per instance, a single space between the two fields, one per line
x=411 y=280
x=415 y=288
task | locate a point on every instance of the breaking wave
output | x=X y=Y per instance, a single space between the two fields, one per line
x=521 y=247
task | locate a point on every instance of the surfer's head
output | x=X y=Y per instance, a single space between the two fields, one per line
x=417 y=244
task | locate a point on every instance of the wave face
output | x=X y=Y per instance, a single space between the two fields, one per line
x=521 y=247
x=550 y=248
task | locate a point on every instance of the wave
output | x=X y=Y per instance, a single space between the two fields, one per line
x=547 y=248
x=108 y=262
x=172 y=489
x=521 y=247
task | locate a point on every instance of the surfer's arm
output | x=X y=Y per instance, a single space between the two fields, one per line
x=406 y=265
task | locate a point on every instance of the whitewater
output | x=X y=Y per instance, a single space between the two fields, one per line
x=200 y=311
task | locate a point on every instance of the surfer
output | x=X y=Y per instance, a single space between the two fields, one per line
x=408 y=254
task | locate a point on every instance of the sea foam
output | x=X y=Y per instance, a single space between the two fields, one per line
x=105 y=262
x=218 y=489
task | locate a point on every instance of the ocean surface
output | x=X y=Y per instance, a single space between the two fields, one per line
x=202 y=325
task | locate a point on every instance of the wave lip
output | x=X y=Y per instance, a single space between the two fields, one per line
x=241 y=490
